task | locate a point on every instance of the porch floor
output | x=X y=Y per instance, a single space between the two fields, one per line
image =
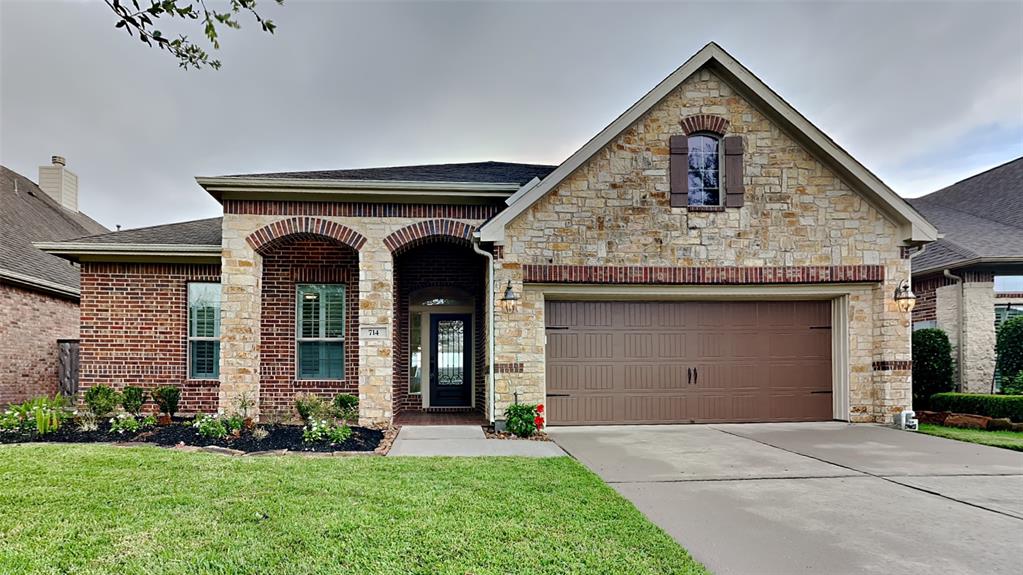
x=439 y=418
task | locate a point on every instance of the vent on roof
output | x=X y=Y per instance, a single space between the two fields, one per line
x=60 y=183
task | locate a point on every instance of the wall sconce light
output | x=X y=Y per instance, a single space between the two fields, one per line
x=510 y=300
x=904 y=297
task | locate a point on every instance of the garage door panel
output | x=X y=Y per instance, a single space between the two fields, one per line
x=664 y=362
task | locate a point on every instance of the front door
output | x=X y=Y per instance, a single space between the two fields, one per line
x=450 y=359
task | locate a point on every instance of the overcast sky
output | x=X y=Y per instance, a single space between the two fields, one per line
x=922 y=94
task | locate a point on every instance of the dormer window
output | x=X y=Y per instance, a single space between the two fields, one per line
x=704 y=170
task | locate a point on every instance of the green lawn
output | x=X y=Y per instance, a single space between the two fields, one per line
x=102 y=509
x=1005 y=439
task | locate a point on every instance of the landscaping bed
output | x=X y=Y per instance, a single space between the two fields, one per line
x=278 y=437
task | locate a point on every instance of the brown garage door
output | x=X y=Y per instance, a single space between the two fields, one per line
x=679 y=362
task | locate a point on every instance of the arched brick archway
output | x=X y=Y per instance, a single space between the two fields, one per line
x=704 y=123
x=422 y=232
x=305 y=227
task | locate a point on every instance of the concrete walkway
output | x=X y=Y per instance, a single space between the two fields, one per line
x=818 y=497
x=464 y=441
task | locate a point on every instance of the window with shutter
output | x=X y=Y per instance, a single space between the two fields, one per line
x=320 y=323
x=203 y=330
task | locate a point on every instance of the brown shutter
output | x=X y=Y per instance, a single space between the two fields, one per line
x=679 y=171
x=734 y=189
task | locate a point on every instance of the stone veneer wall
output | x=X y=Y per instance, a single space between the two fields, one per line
x=31 y=322
x=243 y=277
x=134 y=322
x=286 y=264
x=977 y=331
x=614 y=210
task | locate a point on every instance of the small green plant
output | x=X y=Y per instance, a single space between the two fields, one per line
x=346 y=407
x=132 y=399
x=234 y=424
x=1009 y=348
x=210 y=426
x=323 y=430
x=9 y=421
x=244 y=404
x=128 y=423
x=309 y=407
x=1013 y=386
x=260 y=433
x=167 y=398
x=41 y=416
x=524 y=420
x=932 y=365
x=101 y=400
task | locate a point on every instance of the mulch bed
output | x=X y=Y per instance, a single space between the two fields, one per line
x=492 y=434
x=279 y=438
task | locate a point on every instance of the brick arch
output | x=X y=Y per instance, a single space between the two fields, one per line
x=305 y=227
x=704 y=123
x=427 y=230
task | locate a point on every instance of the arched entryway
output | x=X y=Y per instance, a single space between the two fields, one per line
x=439 y=299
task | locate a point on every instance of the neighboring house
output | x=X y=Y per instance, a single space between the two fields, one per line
x=971 y=279
x=709 y=256
x=38 y=291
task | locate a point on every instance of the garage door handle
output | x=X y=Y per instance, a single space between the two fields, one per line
x=696 y=375
x=558 y=395
x=812 y=392
x=689 y=375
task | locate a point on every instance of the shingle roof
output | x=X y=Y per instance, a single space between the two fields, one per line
x=194 y=232
x=29 y=215
x=980 y=217
x=476 y=172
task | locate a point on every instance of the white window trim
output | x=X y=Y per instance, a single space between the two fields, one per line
x=298 y=330
x=190 y=338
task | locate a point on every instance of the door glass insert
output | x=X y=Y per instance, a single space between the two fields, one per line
x=450 y=352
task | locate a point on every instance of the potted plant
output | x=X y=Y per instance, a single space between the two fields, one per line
x=167 y=398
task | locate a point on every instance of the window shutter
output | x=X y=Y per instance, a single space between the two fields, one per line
x=679 y=171
x=734 y=189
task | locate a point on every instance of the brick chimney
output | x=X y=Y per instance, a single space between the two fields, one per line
x=60 y=183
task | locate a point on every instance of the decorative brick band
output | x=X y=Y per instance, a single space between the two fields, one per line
x=1009 y=295
x=514 y=367
x=701 y=275
x=704 y=123
x=413 y=234
x=893 y=365
x=705 y=208
x=306 y=227
x=361 y=209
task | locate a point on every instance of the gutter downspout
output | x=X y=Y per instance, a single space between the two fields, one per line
x=490 y=321
x=959 y=320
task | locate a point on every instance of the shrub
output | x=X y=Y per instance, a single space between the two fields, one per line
x=167 y=398
x=132 y=399
x=524 y=420
x=346 y=406
x=998 y=406
x=234 y=423
x=41 y=416
x=323 y=430
x=932 y=365
x=309 y=407
x=101 y=400
x=128 y=423
x=1010 y=349
x=1013 y=386
x=210 y=426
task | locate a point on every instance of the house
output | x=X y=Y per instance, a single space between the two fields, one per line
x=38 y=291
x=971 y=280
x=709 y=256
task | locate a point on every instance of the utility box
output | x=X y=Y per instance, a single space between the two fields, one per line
x=906 y=420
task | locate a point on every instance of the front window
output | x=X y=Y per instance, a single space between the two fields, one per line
x=704 y=173
x=321 y=331
x=203 y=330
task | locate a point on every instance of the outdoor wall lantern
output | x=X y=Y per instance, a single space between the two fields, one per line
x=510 y=300
x=904 y=297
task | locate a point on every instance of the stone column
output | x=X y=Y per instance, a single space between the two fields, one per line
x=519 y=339
x=241 y=283
x=978 y=336
x=893 y=352
x=376 y=310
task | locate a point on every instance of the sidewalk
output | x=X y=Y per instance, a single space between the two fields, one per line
x=464 y=441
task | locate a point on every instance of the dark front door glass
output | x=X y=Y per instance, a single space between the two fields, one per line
x=450 y=359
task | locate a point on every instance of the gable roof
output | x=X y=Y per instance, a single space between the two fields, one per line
x=915 y=228
x=980 y=219
x=30 y=215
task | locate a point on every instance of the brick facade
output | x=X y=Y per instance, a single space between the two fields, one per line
x=31 y=322
x=287 y=263
x=134 y=321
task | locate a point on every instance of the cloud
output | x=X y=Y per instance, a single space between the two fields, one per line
x=922 y=94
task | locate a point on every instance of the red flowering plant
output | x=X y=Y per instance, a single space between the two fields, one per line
x=524 y=420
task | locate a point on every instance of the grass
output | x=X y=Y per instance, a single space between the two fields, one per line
x=101 y=509
x=1005 y=439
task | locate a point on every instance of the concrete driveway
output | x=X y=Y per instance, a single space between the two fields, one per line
x=816 y=497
